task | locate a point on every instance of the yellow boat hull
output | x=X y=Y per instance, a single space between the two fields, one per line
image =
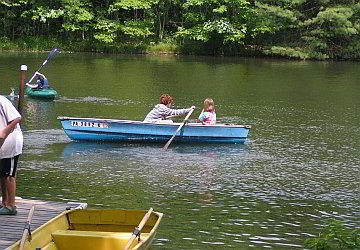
x=93 y=229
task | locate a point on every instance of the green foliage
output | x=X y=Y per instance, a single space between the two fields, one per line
x=13 y=3
x=216 y=22
x=352 y=50
x=30 y=43
x=168 y=46
x=331 y=30
x=335 y=237
x=211 y=30
x=301 y=29
x=77 y=15
x=269 y=20
x=294 y=53
x=105 y=30
x=43 y=14
x=333 y=22
x=134 y=28
x=105 y=38
x=277 y=15
x=6 y=44
x=131 y=4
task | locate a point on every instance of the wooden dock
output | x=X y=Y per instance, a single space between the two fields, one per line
x=12 y=227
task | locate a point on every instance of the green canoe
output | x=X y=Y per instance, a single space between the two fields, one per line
x=48 y=93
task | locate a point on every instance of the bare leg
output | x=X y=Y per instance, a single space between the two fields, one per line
x=11 y=190
x=3 y=192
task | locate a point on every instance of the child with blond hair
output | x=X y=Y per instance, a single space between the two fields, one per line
x=208 y=114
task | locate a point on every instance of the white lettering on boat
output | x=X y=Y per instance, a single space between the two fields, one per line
x=89 y=124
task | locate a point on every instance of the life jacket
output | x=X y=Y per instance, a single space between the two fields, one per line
x=42 y=83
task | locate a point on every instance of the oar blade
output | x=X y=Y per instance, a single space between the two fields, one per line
x=168 y=143
x=51 y=55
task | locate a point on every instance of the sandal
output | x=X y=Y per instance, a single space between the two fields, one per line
x=8 y=211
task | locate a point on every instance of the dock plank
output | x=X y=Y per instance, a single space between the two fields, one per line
x=12 y=227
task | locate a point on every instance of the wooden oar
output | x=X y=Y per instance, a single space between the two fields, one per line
x=179 y=128
x=138 y=228
x=27 y=228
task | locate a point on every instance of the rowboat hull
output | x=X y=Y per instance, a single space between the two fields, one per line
x=93 y=229
x=48 y=94
x=92 y=129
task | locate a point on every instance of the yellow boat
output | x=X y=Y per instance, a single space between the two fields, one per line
x=99 y=229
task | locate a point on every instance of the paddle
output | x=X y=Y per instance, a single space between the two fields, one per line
x=50 y=56
x=138 y=229
x=179 y=128
x=27 y=228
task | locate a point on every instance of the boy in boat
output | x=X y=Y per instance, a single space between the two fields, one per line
x=41 y=82
x=11 y=143
x=162 y=111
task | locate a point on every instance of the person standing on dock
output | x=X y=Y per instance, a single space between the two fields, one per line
x=11 y=144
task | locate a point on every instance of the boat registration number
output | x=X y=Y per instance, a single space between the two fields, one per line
x=89 y=124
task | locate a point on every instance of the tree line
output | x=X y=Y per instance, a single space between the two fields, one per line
x=302 y=29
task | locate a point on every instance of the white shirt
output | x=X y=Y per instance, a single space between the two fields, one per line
x=13 y=144
x=160 y=111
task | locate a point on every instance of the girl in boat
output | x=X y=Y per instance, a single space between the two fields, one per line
x=163 y=110
x=208 y=115
x=41 y=82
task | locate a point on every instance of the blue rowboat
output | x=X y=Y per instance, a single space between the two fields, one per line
x=93 y=129
x=47 y=93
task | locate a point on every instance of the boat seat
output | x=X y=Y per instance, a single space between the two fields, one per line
x=73 y=239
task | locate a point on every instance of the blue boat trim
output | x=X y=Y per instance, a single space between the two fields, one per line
x=92 y=129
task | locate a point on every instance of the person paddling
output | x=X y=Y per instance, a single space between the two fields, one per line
x=41 y=82
x=163 y=110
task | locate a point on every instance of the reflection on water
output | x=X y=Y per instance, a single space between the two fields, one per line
x=37 y=112
x=299 y=169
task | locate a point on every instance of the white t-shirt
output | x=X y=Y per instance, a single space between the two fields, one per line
x=13 y=144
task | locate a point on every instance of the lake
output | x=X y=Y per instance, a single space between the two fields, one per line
x=299 y=169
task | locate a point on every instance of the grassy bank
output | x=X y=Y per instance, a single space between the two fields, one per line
x=140 y=47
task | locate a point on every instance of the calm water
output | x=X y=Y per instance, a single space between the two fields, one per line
x=300 y=168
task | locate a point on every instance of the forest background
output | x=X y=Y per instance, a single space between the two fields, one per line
x=299 y=29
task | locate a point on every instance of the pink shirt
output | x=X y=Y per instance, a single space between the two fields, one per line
x=208 y=118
